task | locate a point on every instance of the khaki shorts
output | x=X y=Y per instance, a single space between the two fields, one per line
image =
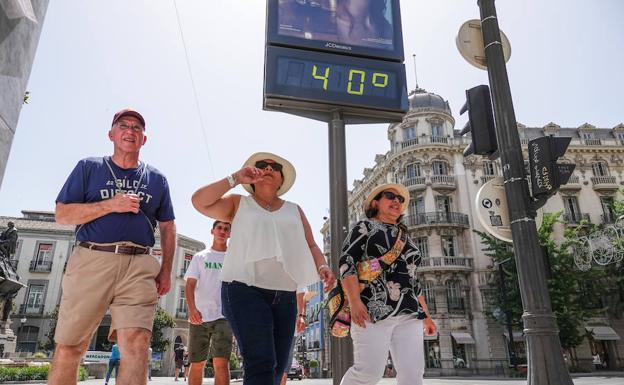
x=214 y=338
x=95 y=281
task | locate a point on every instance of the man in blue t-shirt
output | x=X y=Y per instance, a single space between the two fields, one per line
x=116 y=202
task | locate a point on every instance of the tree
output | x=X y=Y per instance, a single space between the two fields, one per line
x=162 y=320
x=48 y=343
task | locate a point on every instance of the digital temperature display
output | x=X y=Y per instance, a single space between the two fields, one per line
x=335 y=79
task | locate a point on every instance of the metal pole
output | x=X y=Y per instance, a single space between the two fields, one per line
x=341 y=348
x=512 y=346
x=545 y=359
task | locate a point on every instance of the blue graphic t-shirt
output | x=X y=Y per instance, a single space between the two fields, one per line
x=92 y=181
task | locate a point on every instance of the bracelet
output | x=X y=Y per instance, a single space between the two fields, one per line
x=231 y=180
x=326 y=266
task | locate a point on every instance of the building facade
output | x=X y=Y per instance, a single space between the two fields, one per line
x=41 y=255
x=426 y=155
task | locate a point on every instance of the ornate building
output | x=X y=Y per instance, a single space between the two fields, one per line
x=426 y=156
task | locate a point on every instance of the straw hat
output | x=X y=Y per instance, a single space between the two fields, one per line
x=402 y=190
x=287 y=169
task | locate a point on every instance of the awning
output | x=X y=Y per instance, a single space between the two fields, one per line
x=603 y=333
x=518 y=336
x=431 y=338
x=463 y=338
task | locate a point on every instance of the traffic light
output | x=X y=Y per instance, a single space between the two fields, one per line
x=546 y=174
x=480 y=122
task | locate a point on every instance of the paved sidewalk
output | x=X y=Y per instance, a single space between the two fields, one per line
x=606 y=379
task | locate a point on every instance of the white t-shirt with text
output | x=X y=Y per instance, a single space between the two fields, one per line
x=205 y=267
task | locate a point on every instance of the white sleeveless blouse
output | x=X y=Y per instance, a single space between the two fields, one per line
x=268 y=249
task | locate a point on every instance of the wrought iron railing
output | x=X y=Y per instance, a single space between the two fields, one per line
x=437 y=217
x=40 y=266
x=31 y=309
x=575 y=217
x=598 y=180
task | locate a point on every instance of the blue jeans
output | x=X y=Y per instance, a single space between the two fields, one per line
x=112 y=364
x=263 y=322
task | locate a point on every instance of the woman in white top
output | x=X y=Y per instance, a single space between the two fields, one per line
x=271 y=252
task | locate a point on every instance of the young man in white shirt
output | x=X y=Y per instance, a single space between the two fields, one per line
x=209 y=332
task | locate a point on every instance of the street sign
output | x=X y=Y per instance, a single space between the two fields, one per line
x=546 y=175
x=492 y=212
x=469 y=42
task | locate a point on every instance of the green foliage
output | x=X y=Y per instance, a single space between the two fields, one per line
x=314 y=364
x=162 y=320
x=48 y=344
x=40 y=355
x=26 y=96
x=234 y=362
x=576 y=296
x=33 y=373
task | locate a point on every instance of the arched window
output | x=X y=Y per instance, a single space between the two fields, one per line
x=439 y=167
x=453 y=296
x=412 y=170
x=600 y=169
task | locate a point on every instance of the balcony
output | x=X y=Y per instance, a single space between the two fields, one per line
x=445 y=264
x=591 y=142
x=39 y=266
x=456 y=305
x=182 y=313
x=438 y=218
x=574 y=183
x=433 y=140
x=443 y=182
x=182 y=272
x=415 y=183
x=604 y=183
x=487 y=178
x=575 y=218
x=31 y=309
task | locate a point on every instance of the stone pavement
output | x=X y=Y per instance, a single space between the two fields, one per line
x=606 y=379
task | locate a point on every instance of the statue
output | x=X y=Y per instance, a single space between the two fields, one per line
x=8 y=241
x=9 y=280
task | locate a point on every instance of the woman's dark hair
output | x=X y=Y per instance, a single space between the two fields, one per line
x=371 y=212
x=376 y=12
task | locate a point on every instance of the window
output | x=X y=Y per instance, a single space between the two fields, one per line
x=620 y=136
x=35 y=299
x=436 y=130
x=607 y=209
x=570 y=205
x=444 y=204
x=417 y=206
x=187 y=261
x=448 y=245
x=423 y=246
x=429 y=293
x=600 y=169
x=44 y=254
x=412 y=170
x=489 y=168
x=182 y=308
x=439 y=167
x=27 y=337
x=453 y=295
x=410 y=133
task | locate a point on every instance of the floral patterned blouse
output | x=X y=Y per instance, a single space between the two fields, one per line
x=396 y=290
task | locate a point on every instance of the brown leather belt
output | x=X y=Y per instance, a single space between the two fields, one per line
x=117 y=249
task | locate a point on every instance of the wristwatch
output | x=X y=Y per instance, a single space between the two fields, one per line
x=231 y=180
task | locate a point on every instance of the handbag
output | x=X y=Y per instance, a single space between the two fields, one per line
x=337 y=303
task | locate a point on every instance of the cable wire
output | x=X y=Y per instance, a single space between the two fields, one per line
x=188 y=66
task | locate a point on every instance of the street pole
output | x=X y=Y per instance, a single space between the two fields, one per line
x=341 y=348
x=545 y=359
x=512 y=347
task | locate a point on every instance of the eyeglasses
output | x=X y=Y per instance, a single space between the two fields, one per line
x=262 y=164
x=135 y=128
x=390 y=195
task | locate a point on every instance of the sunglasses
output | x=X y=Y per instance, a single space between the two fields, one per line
x=261 y=164
x=390 y=195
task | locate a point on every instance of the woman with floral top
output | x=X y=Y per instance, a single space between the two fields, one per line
x=388 y=310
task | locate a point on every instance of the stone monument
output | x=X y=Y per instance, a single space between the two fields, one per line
x=9 y=287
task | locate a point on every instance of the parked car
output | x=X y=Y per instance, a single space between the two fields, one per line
x=295 y=372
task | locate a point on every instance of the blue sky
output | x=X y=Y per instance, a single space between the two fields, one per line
x=95 y=57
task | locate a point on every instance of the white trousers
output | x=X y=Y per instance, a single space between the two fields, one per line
x=403 y=336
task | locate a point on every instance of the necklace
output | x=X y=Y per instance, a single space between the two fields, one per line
x=265 y=205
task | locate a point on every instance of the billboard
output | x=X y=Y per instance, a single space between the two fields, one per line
x=369 y=28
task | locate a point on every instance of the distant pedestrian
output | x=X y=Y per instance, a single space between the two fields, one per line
x=149 y=363
x=210 y=335
x=113 y=363
x=178 y=356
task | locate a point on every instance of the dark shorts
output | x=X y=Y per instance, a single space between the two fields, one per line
x=210 y=339
x=179 y=363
